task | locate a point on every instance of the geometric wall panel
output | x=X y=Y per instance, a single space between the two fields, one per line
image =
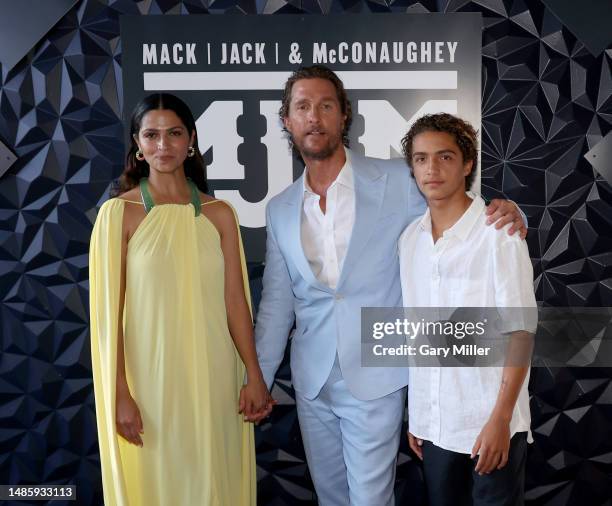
x=545 y=104
x=38 y=17
x=599 y=157
x=590 y=23
x=7 y=158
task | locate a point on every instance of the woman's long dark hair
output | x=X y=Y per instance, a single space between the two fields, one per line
x=135 y=169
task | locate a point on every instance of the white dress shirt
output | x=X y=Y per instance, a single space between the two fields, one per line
x=471 y=265
x=325 y=236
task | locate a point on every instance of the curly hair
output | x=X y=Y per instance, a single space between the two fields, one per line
x=317 y=72
x=195 y=168
x=464 y=134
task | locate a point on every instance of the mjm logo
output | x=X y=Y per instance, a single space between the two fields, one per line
x=384 y=125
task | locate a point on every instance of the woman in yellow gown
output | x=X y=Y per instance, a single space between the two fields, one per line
x=171 y=328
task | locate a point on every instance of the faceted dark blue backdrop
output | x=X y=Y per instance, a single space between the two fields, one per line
x=546 y=104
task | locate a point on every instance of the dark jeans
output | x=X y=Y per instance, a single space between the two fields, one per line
x=451 y=480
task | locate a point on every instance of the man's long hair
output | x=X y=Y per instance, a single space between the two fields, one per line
x=317 y=72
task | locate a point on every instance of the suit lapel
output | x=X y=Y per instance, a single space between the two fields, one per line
x=294 y=204
x=369 y=185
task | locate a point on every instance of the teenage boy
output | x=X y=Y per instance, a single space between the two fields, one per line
x=469 y=425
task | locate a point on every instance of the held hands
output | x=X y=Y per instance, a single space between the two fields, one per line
x=255 y=400
x=128 y=419
x=502 y=212
x=415 y=445
x=493 y=445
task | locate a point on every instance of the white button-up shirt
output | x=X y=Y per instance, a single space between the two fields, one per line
x=325 y=236
x=471 y=265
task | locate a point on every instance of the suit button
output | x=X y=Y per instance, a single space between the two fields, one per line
x=339 y=297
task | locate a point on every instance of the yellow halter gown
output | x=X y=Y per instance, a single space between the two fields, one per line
x=181 y=364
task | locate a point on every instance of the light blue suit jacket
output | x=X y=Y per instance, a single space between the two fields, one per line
x=327 y=320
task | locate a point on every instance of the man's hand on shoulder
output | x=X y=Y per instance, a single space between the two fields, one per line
x=501 y=212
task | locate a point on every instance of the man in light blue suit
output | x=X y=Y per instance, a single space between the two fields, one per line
x=331 y=250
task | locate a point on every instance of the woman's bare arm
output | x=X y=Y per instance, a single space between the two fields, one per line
x=255 y=399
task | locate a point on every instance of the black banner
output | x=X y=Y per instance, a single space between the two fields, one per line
x=231 y=71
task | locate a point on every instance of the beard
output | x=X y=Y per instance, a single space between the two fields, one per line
x=322 y=153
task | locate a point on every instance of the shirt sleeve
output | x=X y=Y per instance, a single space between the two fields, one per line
x=513 y=277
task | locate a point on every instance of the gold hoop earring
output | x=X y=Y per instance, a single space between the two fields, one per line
x=139 y=156
x=191 y=152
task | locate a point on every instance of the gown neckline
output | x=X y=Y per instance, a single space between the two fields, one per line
x=149 y=203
